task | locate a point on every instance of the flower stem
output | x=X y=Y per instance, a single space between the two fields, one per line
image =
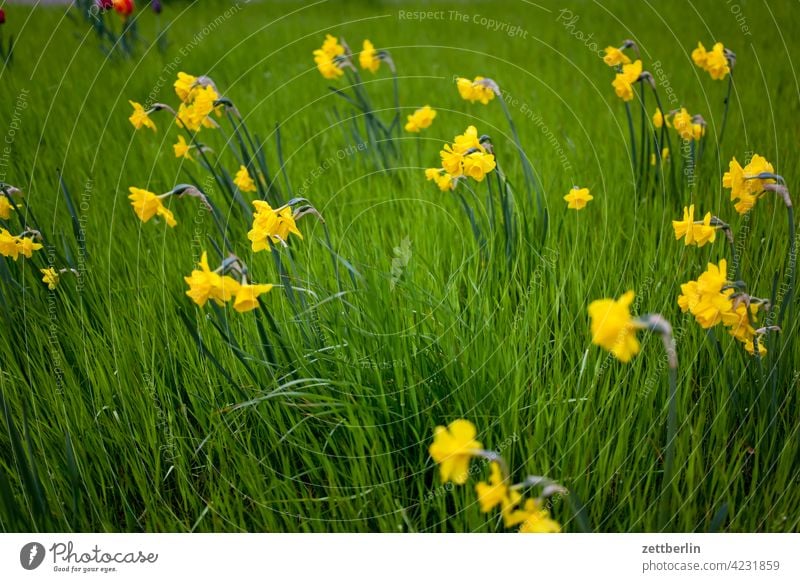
x=656 y=323
x=632 y=132
x=787 y=299
x=725 y=110
x=527 y=169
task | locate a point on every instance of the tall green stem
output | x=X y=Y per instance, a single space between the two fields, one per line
x=725 y=111
x=632 y=132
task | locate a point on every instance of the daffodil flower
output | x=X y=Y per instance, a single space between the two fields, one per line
x=182 y=149
x=5 y=207
x=247 y=296
x=578 y=198
x=271 y=226
x=623 y=82
x=420 y=119
x=452 y=449
x=146 y=205
x=50 y=277
x=205 y=284
x=140 y=118
x=615 y=57
x=368 y=57
x=475 y=90
x=244 y=181
x=613 y=328
x=327 y=58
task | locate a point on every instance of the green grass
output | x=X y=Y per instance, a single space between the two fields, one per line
x=114 y=420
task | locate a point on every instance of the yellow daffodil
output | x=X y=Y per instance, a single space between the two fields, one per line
x=477 y=164
x=466 y=156
x=737 y=320
x=623 y=82
x=715 y=62
x=368 y=58
x=443 y=180
x=325 y=58
x=13 y=246
x=27 y=245
x=420 y=119
x=243 y=181
x=270 y=225
x=691 y=232
x=578 y=198
x=146 y=205
x=683 y=124
x=538 y=519
x=182 y=149
x=615 y=57
x=184 y=86
x=473 y=91
x=452 y=448
x=613 y=328
x=664 y=156
x=247 y=296
x=140 y=118
x=451 y=160
x=659 y=119
x=744 y=186
x=492 y=494
x=698 y=131
x=5 y=207
x=205 y=284
x=699 y=55
x=467 y=141
x=50 y=277
x=705 y=298
x=193 y=115
x=8 y=244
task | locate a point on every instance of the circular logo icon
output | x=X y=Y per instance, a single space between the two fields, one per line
x=31 y=555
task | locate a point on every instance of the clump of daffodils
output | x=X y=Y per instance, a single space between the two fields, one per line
x=467 y=156
x=24 y=244
x=717 y=62
x=453 y=449
x=480 y=89
x=205 y=284
x=712 y=299
x=334 y=55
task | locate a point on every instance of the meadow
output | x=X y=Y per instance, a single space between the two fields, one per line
x=129 y=408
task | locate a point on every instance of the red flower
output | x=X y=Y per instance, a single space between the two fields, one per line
x=124 y=7
x=2 y=16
